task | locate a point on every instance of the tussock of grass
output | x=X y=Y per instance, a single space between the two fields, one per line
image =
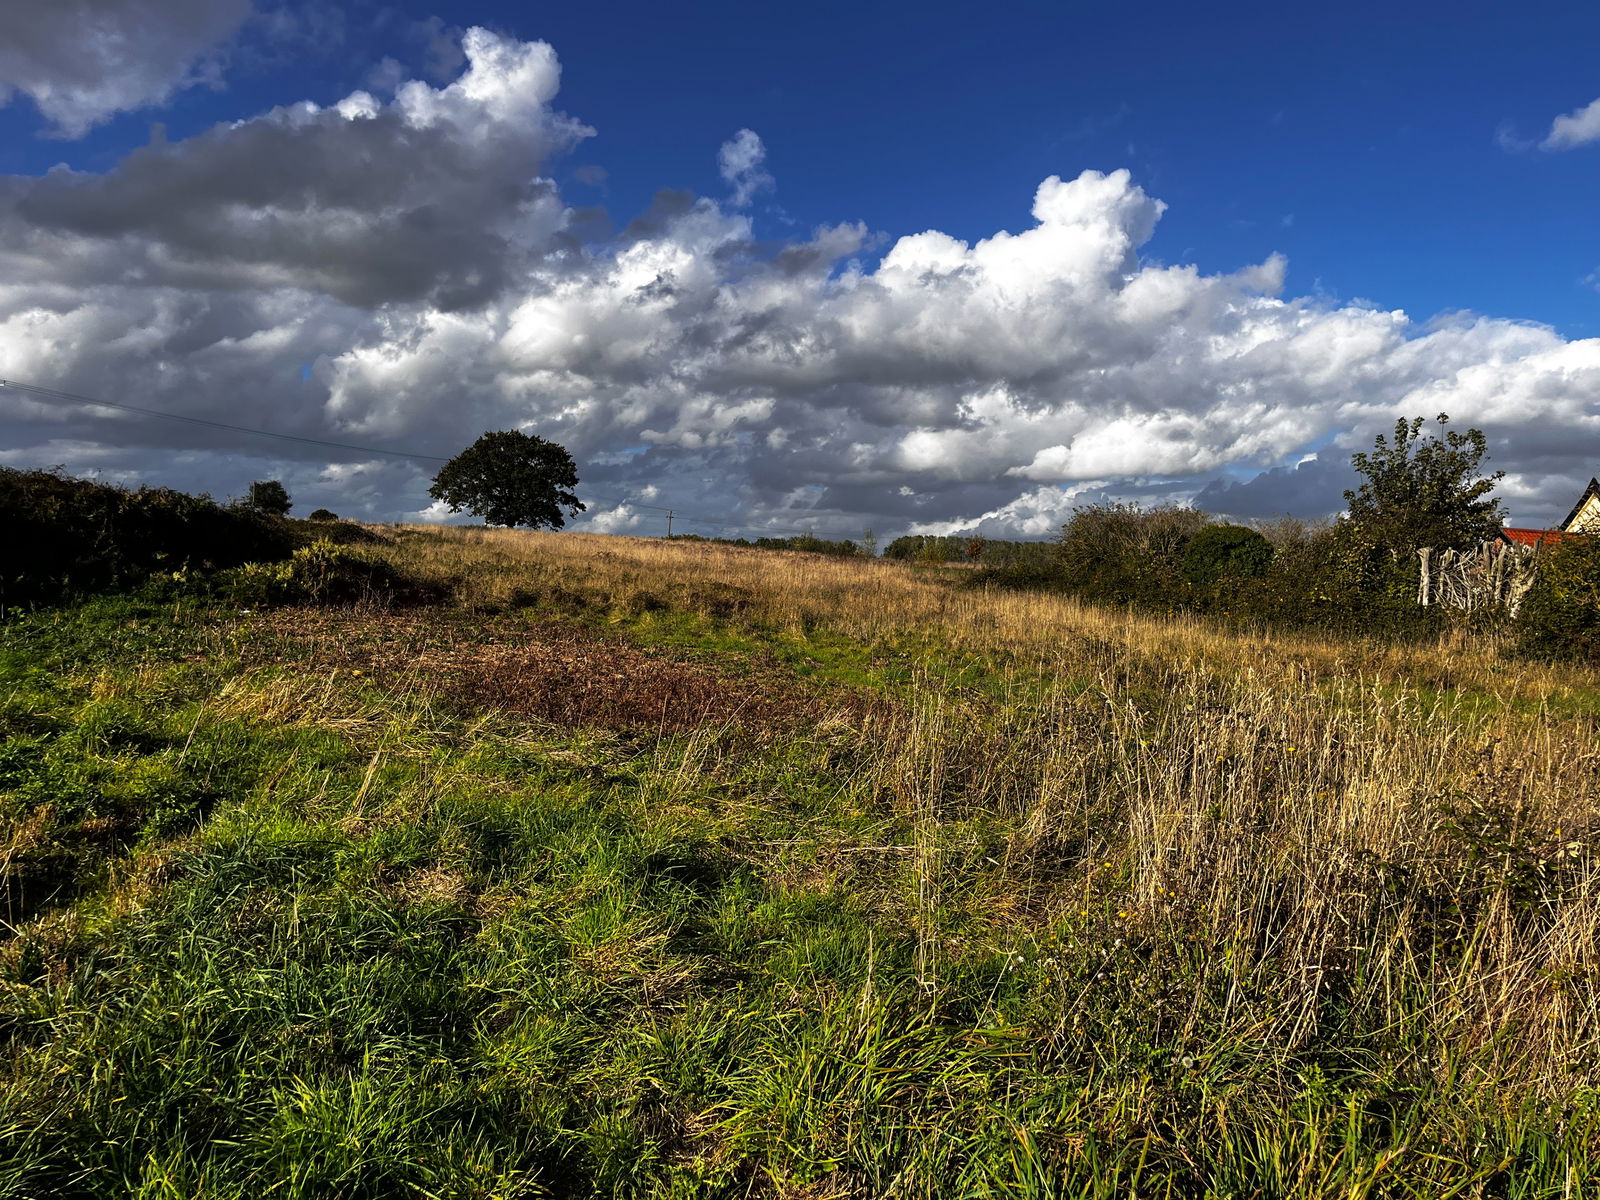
x=1082 y=905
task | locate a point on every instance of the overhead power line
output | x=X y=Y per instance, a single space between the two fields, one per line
x=671 y=514
x=53 y=394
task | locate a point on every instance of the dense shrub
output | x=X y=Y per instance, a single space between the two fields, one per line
x=1560 y=616
x=321 y=573
x=323 y=514
x=1360 y=585
x=1289 y=574
x=1357 y=575
x=71 y=536
x=1220 y=552
x=1124 y=554
x=1330 y=579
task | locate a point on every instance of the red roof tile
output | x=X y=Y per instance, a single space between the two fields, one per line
x=1532 y=537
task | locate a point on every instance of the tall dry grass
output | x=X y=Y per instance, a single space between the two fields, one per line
x=874 y=599
x=1401 y=840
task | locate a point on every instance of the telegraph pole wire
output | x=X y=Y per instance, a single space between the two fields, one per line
x=53 y=394
x=35 y=390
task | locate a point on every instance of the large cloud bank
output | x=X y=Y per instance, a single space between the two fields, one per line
x=395 y=271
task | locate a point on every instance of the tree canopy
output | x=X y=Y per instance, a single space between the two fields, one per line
x=1424 y=490
x=511 y=478
x=269 y=496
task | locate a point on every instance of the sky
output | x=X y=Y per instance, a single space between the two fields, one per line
x=930 y=268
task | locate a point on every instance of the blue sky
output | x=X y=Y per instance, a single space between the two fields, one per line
x=1391 y=155
x=1361 y=144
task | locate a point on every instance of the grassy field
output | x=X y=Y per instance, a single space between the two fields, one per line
x=633 y=868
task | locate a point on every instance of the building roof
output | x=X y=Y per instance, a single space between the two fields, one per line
x=1533 y=537
x=1589 y=492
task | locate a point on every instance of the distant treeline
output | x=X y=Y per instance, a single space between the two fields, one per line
x=1036 y=557
x=1174 y=559
x=805 y=542
x=983 y=552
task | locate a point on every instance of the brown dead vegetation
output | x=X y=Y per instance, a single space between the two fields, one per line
x=552 y=673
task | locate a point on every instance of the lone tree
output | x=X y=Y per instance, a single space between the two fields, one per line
x=511 y=478
x=1424 y=491
x=269 y=496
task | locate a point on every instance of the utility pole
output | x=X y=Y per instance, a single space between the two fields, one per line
x=669 y=522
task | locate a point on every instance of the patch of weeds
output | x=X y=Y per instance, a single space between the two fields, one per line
x=321 y=573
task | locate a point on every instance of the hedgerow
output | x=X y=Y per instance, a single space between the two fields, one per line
x=71 y=537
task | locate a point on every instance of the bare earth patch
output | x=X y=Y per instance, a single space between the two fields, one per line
x=562 y=675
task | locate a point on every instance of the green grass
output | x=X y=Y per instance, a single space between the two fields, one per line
x=389 y=948
x=902 y=664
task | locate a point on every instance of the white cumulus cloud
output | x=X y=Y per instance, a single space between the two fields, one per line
x=1576 y=128
x=740 y=163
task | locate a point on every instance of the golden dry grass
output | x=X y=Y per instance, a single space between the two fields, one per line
x=869 y=600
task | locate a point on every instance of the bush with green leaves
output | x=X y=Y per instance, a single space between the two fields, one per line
x=1417 y=491
x=321 y=573
x=1560 y=616
x=70 y=537
x=1125 y=554
x=1222 y=552
x=1327 y=578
